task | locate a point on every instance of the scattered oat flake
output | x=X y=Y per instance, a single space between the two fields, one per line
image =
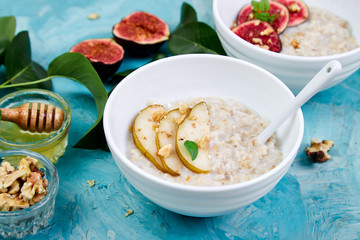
x=129 y=212
x=93 y=16
x=91 y=183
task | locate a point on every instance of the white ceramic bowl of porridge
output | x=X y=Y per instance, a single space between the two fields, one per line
x=295 y=71
x=199 y=76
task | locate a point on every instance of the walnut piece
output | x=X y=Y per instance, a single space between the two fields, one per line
x=165 y=151
x=318 y=151
x=22 y=187
x=203 y=141
x=180 y=118
x=295 y=43
x=129 y=212
x=157 y=115
x=93 y=16
x=184 y=109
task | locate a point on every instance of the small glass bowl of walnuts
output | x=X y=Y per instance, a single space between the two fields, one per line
x=29 y=184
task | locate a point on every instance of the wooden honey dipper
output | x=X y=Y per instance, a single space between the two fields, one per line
x=35 y=117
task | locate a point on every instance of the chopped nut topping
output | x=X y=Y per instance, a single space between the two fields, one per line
x=318 y=150
x=165 y=151
x=157 y=115
x=93 y=16
x=129 y=212
x=266 y=32
x=257 y=40
x=168 y=135
x=184 y=109
x=91 y=183
x=294 y=7
x=295 y=43
x=202 y=142
x=193 y=118
x=179 y=119
x=265 y=47
x=257 y=22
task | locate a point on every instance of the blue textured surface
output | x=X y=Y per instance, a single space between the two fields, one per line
x=313 y=201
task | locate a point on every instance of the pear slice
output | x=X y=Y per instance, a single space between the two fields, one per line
x=196 y=128
x=165 y=141
x=144 y=133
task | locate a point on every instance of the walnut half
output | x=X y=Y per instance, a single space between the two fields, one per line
x=318 y=151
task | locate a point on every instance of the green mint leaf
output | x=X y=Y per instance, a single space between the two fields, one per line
x=272 y=18
x=264 y=5
x=263 y=16
x=192 y=148
x=255 y=6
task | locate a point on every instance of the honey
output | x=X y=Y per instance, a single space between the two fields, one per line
x=53 y=144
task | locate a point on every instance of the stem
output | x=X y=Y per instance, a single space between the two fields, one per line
x=14 y=77
x=5 y=83
x=29 y=83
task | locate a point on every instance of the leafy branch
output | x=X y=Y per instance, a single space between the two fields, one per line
x=22 y=72
x=191 y=36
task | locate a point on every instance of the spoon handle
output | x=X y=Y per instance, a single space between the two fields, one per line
x=326 y=74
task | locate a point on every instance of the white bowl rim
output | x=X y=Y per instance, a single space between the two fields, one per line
x=258 y=50
x=193 y=188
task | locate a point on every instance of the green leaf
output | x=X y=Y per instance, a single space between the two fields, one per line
x=77 y=67
x=3 y=45
x=121 y=75
x=32 y=73
x=264 y=5
x=7 y=27
x=255 y=6
x=19 y=67
x=272 y=18
x=263 y=16
x=158 y=56
x=18 y=55
x=192 y=148
x=188 y=14
x=7 y=32
x=195 y=37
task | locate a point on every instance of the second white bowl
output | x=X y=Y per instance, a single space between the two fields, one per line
x=199 y=75
x=294 y=71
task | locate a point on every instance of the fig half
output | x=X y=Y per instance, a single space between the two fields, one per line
x=141 y=33
x=298 y=11
x=259 y=33
x=277 y=9
x=104 y=54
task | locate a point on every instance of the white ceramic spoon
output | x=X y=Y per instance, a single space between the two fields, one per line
x=326 y=74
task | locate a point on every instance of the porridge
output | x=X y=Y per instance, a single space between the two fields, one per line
x=232 y=153
x=291 y=27
x=323 y=34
